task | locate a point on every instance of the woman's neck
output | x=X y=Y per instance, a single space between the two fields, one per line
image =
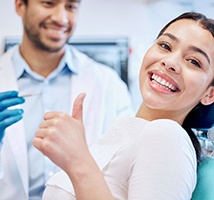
x=150 y=114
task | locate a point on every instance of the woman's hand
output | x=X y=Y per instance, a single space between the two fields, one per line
x=61 y=137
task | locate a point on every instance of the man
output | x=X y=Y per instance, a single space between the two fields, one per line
x=44 y=74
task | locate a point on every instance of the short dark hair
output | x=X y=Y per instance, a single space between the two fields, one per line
x=26 y=1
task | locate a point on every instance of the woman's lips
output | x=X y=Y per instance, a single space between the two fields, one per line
x=164 y=82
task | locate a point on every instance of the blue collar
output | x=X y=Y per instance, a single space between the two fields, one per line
x=21 y=67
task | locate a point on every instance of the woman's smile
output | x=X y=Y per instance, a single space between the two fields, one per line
x=162 y=83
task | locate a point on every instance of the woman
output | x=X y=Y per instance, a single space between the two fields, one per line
x=150 y=156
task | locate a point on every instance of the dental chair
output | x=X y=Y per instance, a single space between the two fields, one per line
x=205 y=180
x=202 y=118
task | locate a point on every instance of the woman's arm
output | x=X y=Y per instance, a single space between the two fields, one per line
x=61 y=138
x=164 y=163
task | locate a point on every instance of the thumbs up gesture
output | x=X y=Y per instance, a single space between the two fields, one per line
x=61 y=137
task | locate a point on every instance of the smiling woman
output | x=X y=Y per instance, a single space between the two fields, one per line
x=139 y=156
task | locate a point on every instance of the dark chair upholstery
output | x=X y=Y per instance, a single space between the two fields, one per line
x=202 y=118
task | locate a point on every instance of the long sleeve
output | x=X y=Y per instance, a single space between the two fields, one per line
x=140 y=160
x=165 y=163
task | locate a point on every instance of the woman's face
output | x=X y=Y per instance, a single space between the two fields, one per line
x=178 y=69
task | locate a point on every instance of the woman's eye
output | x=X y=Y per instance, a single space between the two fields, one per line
x=165 y=46
x=195 y=62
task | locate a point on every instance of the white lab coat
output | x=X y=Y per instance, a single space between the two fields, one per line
x=101 y=107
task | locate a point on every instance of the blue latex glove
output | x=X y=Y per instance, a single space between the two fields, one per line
x=9 y=116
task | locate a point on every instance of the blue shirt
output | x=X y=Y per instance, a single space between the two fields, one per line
x=51 y=93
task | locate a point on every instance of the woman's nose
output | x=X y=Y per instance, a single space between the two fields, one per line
x=172 y=63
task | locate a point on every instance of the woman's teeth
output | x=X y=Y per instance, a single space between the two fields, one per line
x=163 y=82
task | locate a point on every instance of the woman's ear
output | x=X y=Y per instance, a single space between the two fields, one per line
x=20 y=7
x=209 y=96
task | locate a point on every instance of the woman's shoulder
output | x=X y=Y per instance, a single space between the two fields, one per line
x=165 y=128
x=168 y=138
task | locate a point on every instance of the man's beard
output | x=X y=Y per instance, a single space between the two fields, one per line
x=35 y=39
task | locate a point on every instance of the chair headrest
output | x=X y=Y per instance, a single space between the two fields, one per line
x=201 y=117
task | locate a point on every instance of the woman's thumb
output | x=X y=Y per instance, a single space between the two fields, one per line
x=78 y=107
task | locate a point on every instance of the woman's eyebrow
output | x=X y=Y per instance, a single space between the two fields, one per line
x=170 y=36
x=193 y=48
x=196 y=49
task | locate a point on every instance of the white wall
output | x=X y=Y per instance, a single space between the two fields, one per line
x=10 y=23
x=140 y=20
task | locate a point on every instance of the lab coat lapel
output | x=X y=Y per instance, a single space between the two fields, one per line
x=18 y=145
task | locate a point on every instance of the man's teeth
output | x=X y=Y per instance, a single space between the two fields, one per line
x=56 y=31
x=163 y=82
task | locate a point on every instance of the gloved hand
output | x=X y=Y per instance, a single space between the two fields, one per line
x=9 y=116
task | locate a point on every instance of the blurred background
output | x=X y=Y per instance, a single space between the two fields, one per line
x=133 y=23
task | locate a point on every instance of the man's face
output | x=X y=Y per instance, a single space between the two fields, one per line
x=48 y=24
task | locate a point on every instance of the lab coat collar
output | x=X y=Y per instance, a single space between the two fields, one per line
x=18 y=147
x=18 y=60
